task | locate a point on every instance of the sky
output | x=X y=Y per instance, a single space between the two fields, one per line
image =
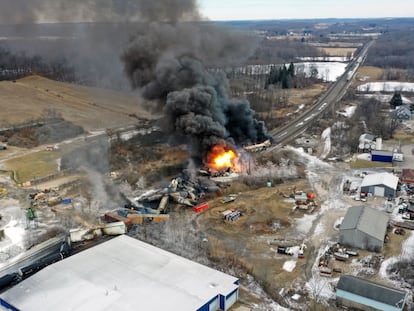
x=299 y=9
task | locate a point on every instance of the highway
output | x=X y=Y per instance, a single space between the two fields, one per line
x=336 y=91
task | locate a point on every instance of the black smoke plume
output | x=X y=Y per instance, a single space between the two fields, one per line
x=87 y=36
x=168 y=63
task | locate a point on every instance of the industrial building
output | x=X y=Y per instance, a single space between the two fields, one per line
x=356 y=293
x=364 y=228
x=381 y=184
x=125 y=274
x=382 y=156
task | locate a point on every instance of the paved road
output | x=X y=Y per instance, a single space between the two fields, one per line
x=335 y=92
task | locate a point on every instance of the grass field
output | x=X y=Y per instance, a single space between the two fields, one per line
x=39 y=163
x=359 y=164
x=34 y=165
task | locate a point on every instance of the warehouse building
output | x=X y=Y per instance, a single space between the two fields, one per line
x=360 y=294
x=125 y=274
x=381 y=184
x=364 y=228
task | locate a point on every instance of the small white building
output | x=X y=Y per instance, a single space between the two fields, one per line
x=125 y=274
x=381 y=184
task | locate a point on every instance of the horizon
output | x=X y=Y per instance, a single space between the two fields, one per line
x=218 y=21
x=244 y=10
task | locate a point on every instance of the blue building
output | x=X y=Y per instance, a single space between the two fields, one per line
x=356 y=293
x=382 y=156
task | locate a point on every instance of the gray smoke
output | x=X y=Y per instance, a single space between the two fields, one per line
x=64 y=11
x=86 y=35
x=167 y=62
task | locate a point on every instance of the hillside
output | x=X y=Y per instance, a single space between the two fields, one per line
x=91 y=108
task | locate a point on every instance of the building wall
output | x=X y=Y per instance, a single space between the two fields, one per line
x=388 y=192
x=344 y=298
x=359 y=239
x=221 y=302
x=381 y=158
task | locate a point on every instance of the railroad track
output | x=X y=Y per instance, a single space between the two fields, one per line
x=335 y=92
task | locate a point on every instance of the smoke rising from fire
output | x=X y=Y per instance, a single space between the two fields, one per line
x=63 y=11
x=86 y=35
x=167 y=62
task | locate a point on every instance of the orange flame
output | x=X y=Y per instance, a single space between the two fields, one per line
x=221 y=157
x=224 y=160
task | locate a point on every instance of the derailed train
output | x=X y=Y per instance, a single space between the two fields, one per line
x=33 y=260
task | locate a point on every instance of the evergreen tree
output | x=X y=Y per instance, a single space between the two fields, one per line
x=396 y=100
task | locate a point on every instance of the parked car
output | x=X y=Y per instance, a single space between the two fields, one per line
x=3 y=147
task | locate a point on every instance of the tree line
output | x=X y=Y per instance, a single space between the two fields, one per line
x=393 y=51
x=17 y=65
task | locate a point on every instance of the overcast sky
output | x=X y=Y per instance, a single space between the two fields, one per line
x=281 y=9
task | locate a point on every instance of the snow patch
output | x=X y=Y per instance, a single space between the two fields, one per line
x=304 y=224
x=364 y=156
x=347 y=111
x=326 y=139
x=386 y=87
x=289 y=266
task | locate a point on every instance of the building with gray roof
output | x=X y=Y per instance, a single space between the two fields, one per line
x=356 y=293
x=364 y=228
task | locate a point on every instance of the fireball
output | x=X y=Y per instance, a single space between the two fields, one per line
x=221 y=157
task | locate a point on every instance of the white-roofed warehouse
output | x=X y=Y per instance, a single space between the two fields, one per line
x=381 y=184
x=364 y=228
x=125 y=274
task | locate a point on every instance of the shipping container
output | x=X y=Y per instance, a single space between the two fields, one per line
x=201 y=207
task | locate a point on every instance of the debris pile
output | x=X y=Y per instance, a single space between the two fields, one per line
x=47 y=197
x=326 y=263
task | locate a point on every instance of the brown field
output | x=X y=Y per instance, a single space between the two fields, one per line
x=297 y=97
x=266 y=216
x=26 y=99
x=336 y=44
x=369 y=73
x=306 y=96
x=340 y=51
x=401 y=136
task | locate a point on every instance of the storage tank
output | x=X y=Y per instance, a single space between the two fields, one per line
x=378 y=143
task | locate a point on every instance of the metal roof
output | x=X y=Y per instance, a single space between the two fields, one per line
x=370 y=290
x=366 y=219
x=387 y=179
x=121 y=274
x=366 y=137
x=382 y=153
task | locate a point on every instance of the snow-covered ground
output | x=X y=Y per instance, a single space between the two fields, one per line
x=385 y=98
x=326 y=141
x=325 y=59
x=327 y=71
x=347 y=112
x=386 y=87
x=14 y=229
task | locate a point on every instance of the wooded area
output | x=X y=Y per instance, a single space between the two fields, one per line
x=394 y=51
